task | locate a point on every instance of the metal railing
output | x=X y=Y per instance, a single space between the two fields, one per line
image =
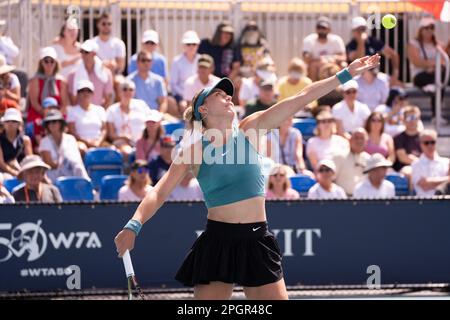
x=440 y=84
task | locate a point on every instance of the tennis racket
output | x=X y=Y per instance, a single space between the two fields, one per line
x=132 y=282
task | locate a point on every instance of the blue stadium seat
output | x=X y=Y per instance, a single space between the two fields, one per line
x=10 y=184
x=400 y=182
x=132 y=157
x=109 y=189
x=100 y=162
x=302 y=183
x=170 y=127
x=75 y=189
x=306 y=126
x=29 y=129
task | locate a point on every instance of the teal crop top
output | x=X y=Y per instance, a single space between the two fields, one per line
x=231 y=172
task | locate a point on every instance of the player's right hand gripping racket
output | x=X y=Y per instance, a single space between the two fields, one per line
x=132 y=282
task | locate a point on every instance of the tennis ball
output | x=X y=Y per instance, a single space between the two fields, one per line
x=389 y=21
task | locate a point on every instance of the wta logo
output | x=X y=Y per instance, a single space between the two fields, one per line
x=29 y=240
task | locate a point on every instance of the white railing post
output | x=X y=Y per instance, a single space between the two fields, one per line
x=440 y=84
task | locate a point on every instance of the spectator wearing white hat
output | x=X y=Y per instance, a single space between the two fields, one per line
x=111 y=50
x=14 y=144
x=149 y=146
x=350 y=113
x=32 y=171
x=323 y=47
x=325 y=188
x=5 y=196
x=430 y=170
x=279 y=186
x=125 y=120
x=47 y=82
x=7 y=46
x=184 y=66
x=362 y=45
x=92 y=69
x=150 y=44
x=68 y=48
x=9 y=80
x=375 y=185
x=422 y=51
x=86 y=120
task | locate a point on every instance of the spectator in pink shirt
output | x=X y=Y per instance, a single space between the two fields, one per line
x=148 y=147
x=279 y=184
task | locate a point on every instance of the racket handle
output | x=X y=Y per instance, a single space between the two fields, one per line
x=127 y=264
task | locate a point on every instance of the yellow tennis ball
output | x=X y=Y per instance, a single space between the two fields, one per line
x=389 y=21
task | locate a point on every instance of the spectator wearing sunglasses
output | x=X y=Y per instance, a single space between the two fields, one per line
x=279 y=187
x=430 y=170
x=325 y=188
x=407 y=143
x=111 y=49
x=379 y=142
x=422 y=53
x=138 y=183
x=350 y=165
x=350 y=113
x=150 y=44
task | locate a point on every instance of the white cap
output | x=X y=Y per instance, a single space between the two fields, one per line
x=351 y=84
x=150 y=35
x=190 y=37
x=90 y=46
x=127 y=83
x=376 y=160
x=85 y=84
x=153 y=115
x=12 y=114
x=426 y=21
x=358 y=22
x=2 y=22
x=47 y=52
x=327 y=163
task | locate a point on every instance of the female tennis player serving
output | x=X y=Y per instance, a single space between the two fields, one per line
x=236 y=247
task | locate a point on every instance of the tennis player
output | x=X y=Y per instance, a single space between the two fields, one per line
x=236 y=247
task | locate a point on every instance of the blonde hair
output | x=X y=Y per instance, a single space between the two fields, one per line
x=297 y=64
x=328 y=70
x=289 y=172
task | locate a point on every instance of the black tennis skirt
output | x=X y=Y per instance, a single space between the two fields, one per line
x=245 y=254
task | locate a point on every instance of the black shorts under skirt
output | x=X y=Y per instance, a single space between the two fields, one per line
x=245 y=254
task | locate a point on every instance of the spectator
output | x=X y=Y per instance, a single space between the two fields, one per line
x=265 y=100
x=379 y=142
x=47 y=82
x=249 y=89
x=125 y=120
x=149 y=44
x=444 y=188
x=92 y=69
x=223 y=50
x=5 y=102
x=350 y=113
x=32 y=171
x=430 y=170
x=362 y=45
x=14 y=145
x=138 y=184
x=7 y=47
x=159 y=166
x=287 y=146
x=59 y=150
x=253 y=48
x=87 y=121
x=350 y=165
x=407 y=143
x=393 y=111
x=279 y=187
x=375 y=185
x=295 y=81
x=68 y=48
x=323 y=47
x=325 y=188
x=149 y=146
x=5 y=196
x=373 y=88
x=334 y=96
x=111 y=50
x=187 y=190
x=326 y=144
x=150 y=87
x=9 y=80
x=184 y=66
x=422 y=51
x=202 y=79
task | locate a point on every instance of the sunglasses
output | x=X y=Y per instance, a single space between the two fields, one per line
x=325 y=169
x=325 y=121
x=52 y=121
x=429 y=142
x=190 y=44
x=106 y=24
x=150 y=43
x=141 y=170
x=48 y=61
x=279 y=175
x=350 y=92
x=84 y=52
x=361 y=29
x=145 y=60
x=431 y=27
x=411 y=118
x=127 y=89
x=376 y=120
x=86 y=90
